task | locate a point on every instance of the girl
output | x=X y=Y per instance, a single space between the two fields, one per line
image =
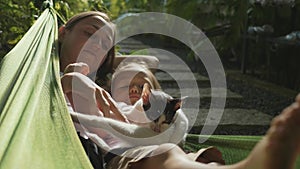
x=131 y=88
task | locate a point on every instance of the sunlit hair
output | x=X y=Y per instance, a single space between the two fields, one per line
x=107 y=66
x=76 y=18
x=136 y=68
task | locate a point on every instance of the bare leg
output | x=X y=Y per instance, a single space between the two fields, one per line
x=280 y=148
x=277 y=150
x=170 y=156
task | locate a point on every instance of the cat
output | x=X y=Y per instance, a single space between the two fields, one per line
x=161 y=110
x=168 y=123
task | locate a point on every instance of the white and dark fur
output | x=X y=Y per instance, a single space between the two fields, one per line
x=162 y=110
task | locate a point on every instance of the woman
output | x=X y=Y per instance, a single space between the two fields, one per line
x=88 y=37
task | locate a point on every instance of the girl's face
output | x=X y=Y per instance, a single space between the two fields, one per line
x=88 y=41
x=128 y=87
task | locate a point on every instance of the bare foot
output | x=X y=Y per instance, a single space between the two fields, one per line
x=281 y=145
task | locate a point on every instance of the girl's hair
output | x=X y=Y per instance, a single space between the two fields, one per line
x=107 y=65
x=134 y=67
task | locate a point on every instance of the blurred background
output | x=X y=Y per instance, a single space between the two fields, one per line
x=260 y=38
x=258 y=42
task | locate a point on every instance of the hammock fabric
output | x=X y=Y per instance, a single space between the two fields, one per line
x=233 y=148
x=35 y=127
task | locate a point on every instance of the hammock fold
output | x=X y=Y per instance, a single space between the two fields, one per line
x=35 y=126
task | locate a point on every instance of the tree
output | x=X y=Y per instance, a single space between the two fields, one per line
x=18 y=16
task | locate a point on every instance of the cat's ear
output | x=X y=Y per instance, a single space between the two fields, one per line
x=179 y=102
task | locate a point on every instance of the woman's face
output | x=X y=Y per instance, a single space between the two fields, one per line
x=128 y=87
x=88 y=41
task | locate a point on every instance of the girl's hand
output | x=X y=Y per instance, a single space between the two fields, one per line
x=146 y=94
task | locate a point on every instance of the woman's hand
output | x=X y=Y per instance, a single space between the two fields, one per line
x=87 y=97
x=79 y=67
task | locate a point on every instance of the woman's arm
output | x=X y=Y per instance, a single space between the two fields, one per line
x=117 y=128
x=130 y=133
x=87 y=97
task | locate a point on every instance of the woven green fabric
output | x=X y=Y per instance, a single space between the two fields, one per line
x=233 y=148
x=36 y=129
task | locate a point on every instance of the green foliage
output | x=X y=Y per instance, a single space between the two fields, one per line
x=119 y=7
x=18 y=16
x=230 y=18
x=141 y=52
x=209 y=14
x=269 y=60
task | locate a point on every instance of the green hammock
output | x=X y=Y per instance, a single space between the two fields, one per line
x=233 y=148
x=35 y=127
